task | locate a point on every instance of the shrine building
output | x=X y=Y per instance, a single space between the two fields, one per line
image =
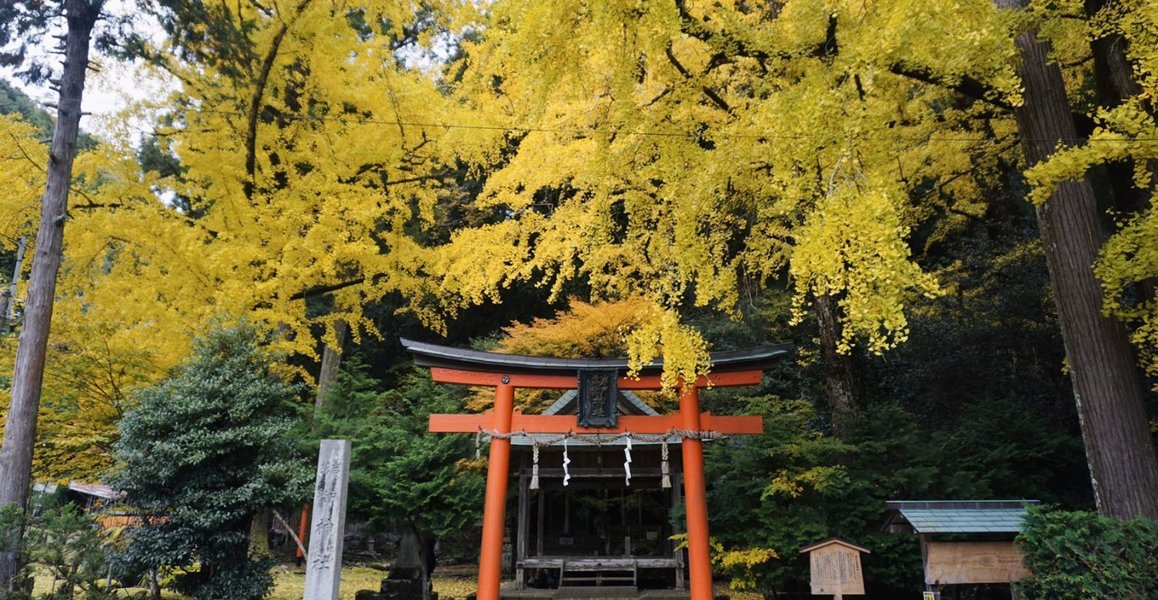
x=597 y=473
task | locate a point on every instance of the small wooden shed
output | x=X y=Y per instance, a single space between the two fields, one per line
x=964 y=541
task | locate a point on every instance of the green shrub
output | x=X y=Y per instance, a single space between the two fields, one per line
x=200 y=457
x=64 y=544
x=1085 y=555
x=73 y=550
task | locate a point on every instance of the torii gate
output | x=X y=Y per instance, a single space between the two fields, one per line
x=597 y=382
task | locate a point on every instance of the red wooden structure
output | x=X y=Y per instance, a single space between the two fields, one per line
x=506 y=372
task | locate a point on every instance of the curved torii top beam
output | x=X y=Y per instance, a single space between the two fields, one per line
x=474 y=367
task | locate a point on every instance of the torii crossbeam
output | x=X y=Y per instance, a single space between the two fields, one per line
x=507 y=372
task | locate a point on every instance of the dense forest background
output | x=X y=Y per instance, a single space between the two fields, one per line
x=609 y=179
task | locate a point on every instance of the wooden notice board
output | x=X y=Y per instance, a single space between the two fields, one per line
x=973 y=562
x=835 y=570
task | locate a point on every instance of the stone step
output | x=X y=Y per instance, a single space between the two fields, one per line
x=592 y=592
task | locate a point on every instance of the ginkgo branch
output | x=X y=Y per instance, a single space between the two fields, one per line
x=256 y=99
x=372 y=167
x=73 y=189
x=318 y=290
x=966 y=85
x=693 y=27
x=709 y=92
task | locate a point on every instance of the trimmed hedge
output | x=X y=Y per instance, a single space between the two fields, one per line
x=1082 y=555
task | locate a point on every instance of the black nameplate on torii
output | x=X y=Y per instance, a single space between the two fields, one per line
x=598 y=395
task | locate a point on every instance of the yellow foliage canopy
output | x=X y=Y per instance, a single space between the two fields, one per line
x=314 y=195
x=673 y=151
x=584 y=330
x=22 y=158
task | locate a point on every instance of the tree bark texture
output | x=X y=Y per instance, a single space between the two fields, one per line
x=259 y=549
x=1112 y=70
x=9 y=294
x=842 y=385
x=331 y=364
x=20 y=427
x=1103 y=367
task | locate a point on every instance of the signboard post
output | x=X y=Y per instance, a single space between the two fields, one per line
x=835 y=568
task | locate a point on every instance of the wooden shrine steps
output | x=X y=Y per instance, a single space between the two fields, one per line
x=595 y=577
x=610 y=573
x=591 y=593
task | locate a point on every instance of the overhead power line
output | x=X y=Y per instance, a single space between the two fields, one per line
x=880 y=135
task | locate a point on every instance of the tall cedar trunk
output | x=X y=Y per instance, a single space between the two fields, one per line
x=1107 y=386
x=1112 y=70
x=20 y=428
x=842 y=384
x=1116 y=83
x=331 y=364
x=9 y=292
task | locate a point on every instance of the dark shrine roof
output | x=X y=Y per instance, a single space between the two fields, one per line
x=567 y=404
x=627 y=404
x=957 y=516
x=434 y=355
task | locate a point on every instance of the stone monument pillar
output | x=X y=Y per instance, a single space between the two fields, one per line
x=324 y=568
x=409 y=578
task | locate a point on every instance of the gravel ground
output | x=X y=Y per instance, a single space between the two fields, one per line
x=451 y=582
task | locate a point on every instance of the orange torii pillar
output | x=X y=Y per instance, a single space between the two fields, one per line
x=695 y=498
x=502 y=420
x=494 y=512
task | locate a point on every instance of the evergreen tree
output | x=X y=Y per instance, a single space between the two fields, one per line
x=14 y=101
x=203 y=453
x=399 y=471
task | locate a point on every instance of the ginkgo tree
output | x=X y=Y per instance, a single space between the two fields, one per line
x=21 y=167
x=644 y=152
x=307 y=154
x=304 y=157
x=675 y=150
x=98 y=352
x=302 y=163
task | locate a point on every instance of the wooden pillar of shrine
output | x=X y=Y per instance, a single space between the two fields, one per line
x=695 y=498
x=494 y=512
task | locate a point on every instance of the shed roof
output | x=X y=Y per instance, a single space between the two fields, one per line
x=88 y=489
x=957 y=516
x=95 y=489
